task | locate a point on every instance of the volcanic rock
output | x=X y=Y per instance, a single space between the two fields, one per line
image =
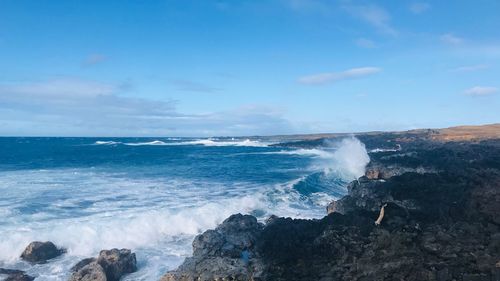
x=15 y=275
x=111 y=265
x=40 y=252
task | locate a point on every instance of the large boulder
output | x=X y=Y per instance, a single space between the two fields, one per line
x=89 y=272
x=40 y=252
x=111 y=265
x=14 y=275
x=117 y=263
x=225 y=253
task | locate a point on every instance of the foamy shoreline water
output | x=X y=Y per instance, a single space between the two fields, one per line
x=154 y=199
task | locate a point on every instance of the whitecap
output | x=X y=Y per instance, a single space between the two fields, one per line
x=106 y=143
x=155 y=142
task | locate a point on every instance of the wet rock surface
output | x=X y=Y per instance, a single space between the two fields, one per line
x=225 y=253
x=110 y=265
x=41 y=252
x=441 y=222
x=14 y=275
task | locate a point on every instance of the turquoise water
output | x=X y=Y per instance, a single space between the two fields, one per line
x=154 y=195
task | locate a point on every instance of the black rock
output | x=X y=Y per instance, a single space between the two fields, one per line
x=226 y=253
x=15 y=275
x=82 y=263
x=110 y=265
x=89 y=272
x=117 y=263
x=40 y=252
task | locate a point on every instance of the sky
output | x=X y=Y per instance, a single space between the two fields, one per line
x=246 y=67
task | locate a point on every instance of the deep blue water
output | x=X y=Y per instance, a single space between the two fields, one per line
x=153 y=195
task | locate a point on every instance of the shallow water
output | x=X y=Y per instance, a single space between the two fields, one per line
x=154 y=195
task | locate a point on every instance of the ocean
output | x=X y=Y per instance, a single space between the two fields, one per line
x=154 y=195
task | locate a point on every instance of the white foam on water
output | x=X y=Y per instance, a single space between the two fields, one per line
x=156 y=218
x=312 y=152
x=212 y=142
x=106 y=143
x=155 y=142
x=87 y=210
x=204 y=142
x=348 y=159
x=377 y=150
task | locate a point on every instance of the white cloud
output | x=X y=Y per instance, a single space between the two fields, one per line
x=365 y=43
x=478 y=91
x=419 y=7
x=330 y=77
x=375 y=16
x=471 y=68
x=65 y=87
x=450 y=38
x=73 y=107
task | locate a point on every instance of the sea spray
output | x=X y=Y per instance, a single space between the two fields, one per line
x=346 y=158
x=351 y=157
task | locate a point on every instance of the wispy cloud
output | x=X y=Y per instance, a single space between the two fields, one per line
x=419 y=7
x=59 y=88
x=450 y=38
x=470 y=68
x=330 y=77
x=94 y=59
x=192 y=86
x=375 y=16
x=365 y=43
x=479 y=91
x=84 y=108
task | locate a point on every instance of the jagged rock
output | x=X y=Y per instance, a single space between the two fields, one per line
x=111 y=265
x=226 y=253
x=14 y=275
x=271 y=218
x=40 y=252
x=378 y=171
x=89 y=272
x=117 y=263
x=79 y=265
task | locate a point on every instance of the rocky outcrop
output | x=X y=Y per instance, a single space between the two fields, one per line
x=40 y=252
x=439 y=224
x=378 y=171
x=111 y=265
x=89 y=272
x=14 y=275
x=226 y=253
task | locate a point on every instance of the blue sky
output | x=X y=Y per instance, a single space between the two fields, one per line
x=211 y=68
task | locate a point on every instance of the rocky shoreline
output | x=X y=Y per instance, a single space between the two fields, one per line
x=440 y=222
x=110 y=265
x=424 y=210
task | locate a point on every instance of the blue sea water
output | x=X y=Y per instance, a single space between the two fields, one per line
x=154 y=195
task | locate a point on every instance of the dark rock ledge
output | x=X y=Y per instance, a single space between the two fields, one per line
x=41 y=252
x=440 y=223
x=110 y=265
x=14 y=275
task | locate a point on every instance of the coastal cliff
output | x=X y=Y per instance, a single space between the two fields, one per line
x=439 y=222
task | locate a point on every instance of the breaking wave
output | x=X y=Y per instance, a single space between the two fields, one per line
x=106 y=142
x=156 y=142
x=178 y=142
